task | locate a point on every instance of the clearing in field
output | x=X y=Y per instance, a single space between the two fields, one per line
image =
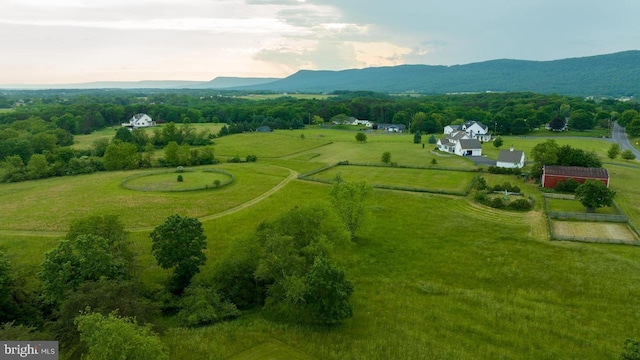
x=189 y=180
x=593 y=230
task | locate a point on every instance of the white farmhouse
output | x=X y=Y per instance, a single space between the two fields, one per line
x=139 y=121
x=461 y=144
x=475 y=130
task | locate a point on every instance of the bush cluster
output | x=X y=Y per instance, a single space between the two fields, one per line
x=498 y=202
x=500 y=170
x=506 y=186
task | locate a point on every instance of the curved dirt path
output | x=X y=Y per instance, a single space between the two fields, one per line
x=292 y=175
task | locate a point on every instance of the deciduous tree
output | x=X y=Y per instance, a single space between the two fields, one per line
x=179 y=243
x=498 y=142
x=361 y=137
x=614 y=151
x=594 y=194
x=628 y=155
x=72 y=262
x=328 y=292
x=114 y=337
x=350 y=200
x=386 y=157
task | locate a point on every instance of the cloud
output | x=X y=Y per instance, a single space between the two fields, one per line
x=244 y=26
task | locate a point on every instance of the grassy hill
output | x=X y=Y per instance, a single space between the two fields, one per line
x=613 y=75
x=435 y=276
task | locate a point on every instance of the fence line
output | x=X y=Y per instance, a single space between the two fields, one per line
x=595 y=240
x=559 y=215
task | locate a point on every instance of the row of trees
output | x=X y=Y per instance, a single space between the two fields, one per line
x=506 y=113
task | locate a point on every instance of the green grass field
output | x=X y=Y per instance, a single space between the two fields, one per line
x=436 y=180
x=563 y=205
x=435 y=276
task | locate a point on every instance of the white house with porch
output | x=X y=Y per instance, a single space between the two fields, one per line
x=461 y=144
x=475 y=130
x=139 y=121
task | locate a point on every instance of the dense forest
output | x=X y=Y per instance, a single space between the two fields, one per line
x=37 y=127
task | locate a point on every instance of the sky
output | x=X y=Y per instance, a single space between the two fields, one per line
x=74 y=41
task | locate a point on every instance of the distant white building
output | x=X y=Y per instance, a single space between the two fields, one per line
x=139 y=121
x=366 y=123
x=475 y=130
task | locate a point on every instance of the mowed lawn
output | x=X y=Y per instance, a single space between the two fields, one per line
x=168 y=181
x=437 y=180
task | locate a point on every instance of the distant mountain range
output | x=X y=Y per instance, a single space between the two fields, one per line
x=615 y=75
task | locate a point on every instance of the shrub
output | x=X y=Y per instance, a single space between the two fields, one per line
x=203 y=306
x=506 y=171
x=480 y=182
x=235 y=159
x=252 y=158
x=434 y=161
x=520 y=204
x=568 y=185
x=180 y=179
x=497 y=203
x=216 y=182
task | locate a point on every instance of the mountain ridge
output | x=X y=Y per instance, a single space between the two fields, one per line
x=615 y=75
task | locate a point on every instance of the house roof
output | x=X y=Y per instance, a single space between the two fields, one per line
x=467 y=144
x=445 y=142
x=510 y=156
x=139 y=116
x=471 y=122
x=576 y=171
x=457 y=135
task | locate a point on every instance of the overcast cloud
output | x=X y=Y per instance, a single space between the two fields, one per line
x=66 y=41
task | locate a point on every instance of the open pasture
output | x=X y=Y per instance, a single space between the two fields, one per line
x=51 y=204
x=435 y=277
x=269 y=145
x=435 y=180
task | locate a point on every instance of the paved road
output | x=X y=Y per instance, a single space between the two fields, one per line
x=482 y=160
x=620 y=137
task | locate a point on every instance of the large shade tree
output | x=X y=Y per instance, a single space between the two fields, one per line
x=179 y=243
x=594 y=194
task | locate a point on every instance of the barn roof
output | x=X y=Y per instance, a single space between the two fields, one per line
x=576 y=171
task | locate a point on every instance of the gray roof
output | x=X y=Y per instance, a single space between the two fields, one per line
x=456 y=135
x=468 y=144
x=510 y=156
x=576 y=171
x=471 y=122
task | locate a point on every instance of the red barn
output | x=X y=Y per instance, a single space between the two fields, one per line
x=551 y=174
